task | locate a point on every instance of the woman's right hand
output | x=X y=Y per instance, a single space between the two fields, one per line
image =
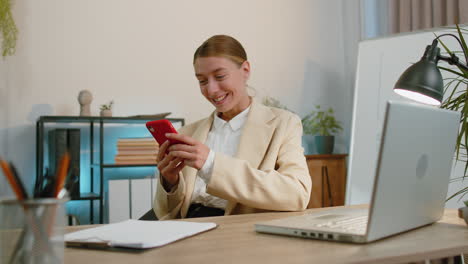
x=169 y=167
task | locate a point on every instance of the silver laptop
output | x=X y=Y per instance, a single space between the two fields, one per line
x=410 y=187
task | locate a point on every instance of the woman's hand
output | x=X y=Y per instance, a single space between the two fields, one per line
x=192 y=152
x=169 y=166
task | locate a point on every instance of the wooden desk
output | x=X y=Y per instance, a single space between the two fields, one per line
x=235 y=241
x=328 y=173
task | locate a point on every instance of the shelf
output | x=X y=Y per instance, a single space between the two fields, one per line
x=86 y=196
x=97 y=171
x=124 y=165
x=117 y=119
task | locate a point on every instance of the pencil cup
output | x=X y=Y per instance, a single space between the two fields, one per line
x=32 y=231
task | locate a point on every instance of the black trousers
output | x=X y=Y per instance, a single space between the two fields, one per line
x=195 y=210
x=199 y=210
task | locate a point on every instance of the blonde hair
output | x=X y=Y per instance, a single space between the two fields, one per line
x=222 y=46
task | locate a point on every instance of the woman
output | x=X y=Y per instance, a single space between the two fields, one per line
x=244 y=158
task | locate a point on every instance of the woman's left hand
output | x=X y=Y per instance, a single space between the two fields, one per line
x=192 y=152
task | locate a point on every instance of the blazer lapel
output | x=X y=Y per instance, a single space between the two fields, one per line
x=255 y=139
x=200 y=134
x=256 y=135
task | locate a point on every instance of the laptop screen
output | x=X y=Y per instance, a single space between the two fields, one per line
x=413 y=168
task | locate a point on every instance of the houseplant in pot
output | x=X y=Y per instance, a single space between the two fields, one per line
x=323 y=125
x=456 y=94
x=106 y=109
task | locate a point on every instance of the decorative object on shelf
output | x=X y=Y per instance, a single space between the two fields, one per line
x=8 y=28
x=85 y=98
x=106 y=109
x=133 y=151
x=423 y=82
x=324 y=126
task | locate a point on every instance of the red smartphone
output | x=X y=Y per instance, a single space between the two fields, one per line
x=159 y=128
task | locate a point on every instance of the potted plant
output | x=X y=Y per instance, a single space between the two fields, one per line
x=106 y=109
x=456 y=92
x=8 y=29
x=323 y=125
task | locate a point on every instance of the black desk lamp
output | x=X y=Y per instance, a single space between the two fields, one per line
x=423 y=81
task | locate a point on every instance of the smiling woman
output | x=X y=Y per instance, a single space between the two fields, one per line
x=222 y=70
x=223 y=84
x=243 y=158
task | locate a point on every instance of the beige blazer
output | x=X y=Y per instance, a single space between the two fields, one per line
x=269 y=172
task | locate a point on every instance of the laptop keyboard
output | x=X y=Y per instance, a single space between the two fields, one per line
x=356 y=224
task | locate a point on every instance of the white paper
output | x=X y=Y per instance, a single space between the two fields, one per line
x=139 y=234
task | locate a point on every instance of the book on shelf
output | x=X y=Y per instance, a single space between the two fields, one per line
x=137 y=141
x=62 y=140
x=74 y=148
x=136 y=151
x=130 y=152
x=57 y=147
x=132 y=146
x=134 y=157
x=140 y=143
x=136 y=162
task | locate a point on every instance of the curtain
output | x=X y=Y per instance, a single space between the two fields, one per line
x=410 y=15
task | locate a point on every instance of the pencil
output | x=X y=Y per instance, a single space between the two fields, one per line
x=18 y=189
x=11 y=179
x=61 y=173
x=18 y=181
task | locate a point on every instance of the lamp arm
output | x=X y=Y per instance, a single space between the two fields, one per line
x=453 y=60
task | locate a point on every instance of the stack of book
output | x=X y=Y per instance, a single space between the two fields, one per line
x=133 y=151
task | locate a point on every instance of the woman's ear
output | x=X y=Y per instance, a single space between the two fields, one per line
x=245 y=67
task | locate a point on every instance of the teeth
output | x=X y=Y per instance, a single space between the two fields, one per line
x=219 y=98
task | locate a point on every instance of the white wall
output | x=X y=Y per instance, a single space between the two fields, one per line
x=139 y=54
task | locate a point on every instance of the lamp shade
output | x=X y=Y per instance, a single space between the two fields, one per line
x=423 y=81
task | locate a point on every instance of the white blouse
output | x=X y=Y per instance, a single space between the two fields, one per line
x=223 y=137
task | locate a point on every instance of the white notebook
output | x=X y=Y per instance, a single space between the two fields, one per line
x=136 y=234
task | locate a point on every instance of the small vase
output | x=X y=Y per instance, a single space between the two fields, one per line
x=325 y=144
x=106 y=112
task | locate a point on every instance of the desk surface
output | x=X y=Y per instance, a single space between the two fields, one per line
x=235 y=241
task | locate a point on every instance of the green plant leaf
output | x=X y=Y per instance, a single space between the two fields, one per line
x=462 y=191
x=452 y=71
x=455 y=91
x=445 y=47
x=8 y=29
x=462 y=39
x=319 y=122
